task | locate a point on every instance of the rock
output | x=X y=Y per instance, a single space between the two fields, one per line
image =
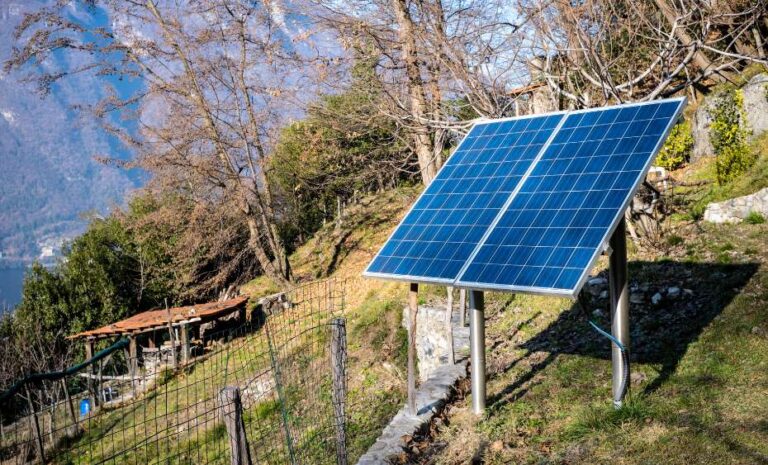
x=603 y=295
x=597 y=281
x=735 y=210
x=597 y=313
x=688 y=292
x=656 y=298
x=636 y=298
x=431 y=339
x=673 y=292
x=755 y=108
x=259 y=390
x=702 y=119
x=756 y=104
x=596 y=285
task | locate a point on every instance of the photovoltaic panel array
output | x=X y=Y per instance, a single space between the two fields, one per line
x=445 y=225
x=550 y=234
x=552 y=227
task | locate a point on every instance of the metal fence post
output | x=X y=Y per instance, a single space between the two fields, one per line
x=339 y=392
x=232 y=414
x=280 y=393
x=75 y=427
x=35 y=426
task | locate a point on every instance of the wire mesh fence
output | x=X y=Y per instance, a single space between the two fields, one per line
x=273 y=378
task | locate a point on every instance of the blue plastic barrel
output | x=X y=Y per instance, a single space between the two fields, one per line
x=85 y=407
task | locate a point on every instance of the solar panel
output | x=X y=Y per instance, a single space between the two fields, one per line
x=447 y=222
x=553 y=230
x=527 y=204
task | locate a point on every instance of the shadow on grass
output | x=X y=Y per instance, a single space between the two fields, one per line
x=660 y=334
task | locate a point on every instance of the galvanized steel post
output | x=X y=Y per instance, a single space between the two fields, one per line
x=619 y=293
x=477 y=349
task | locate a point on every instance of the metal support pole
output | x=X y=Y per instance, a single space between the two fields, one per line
x=619 y=313
x=413 y=309
x=477 y=349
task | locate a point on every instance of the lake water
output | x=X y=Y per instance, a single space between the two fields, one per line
x=11 y=280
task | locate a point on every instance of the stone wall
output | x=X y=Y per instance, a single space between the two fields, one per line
x=431 y=339
x=433 y=392
x=735 y=210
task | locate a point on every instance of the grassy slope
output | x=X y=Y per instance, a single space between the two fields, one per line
x=700 y=390
x=699 y=393
x=377 y=350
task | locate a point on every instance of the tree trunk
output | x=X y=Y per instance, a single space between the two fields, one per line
x=267 y=265
x=272 y=268
x=423 y=145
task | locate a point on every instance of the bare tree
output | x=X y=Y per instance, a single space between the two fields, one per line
x=599 y=51
x=432 y=56
x=217 y=79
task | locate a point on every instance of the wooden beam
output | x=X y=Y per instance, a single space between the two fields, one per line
x=75 y=427
x=185 y=349
x=133 y=361
x=449 y=326
x=91 y=371
x=35 y=427
x=413 y=309
x=232 y=414
x=174 y=362
x=339 y=383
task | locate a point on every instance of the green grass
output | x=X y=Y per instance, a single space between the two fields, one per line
x=701 y=395
x=754 y=218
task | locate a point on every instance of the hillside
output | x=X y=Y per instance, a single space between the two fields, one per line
x=699 y=332
x=699 y=349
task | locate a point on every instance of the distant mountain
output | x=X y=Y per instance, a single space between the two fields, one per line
x=48 y=175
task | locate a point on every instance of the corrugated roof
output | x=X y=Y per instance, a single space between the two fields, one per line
x=159 y=318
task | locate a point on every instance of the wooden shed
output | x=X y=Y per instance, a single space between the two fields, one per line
x=149 y=329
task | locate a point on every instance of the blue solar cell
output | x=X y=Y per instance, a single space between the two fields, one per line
x=551 y=232
x=448 y=221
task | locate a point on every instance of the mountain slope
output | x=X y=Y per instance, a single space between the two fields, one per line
x=48 y=175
